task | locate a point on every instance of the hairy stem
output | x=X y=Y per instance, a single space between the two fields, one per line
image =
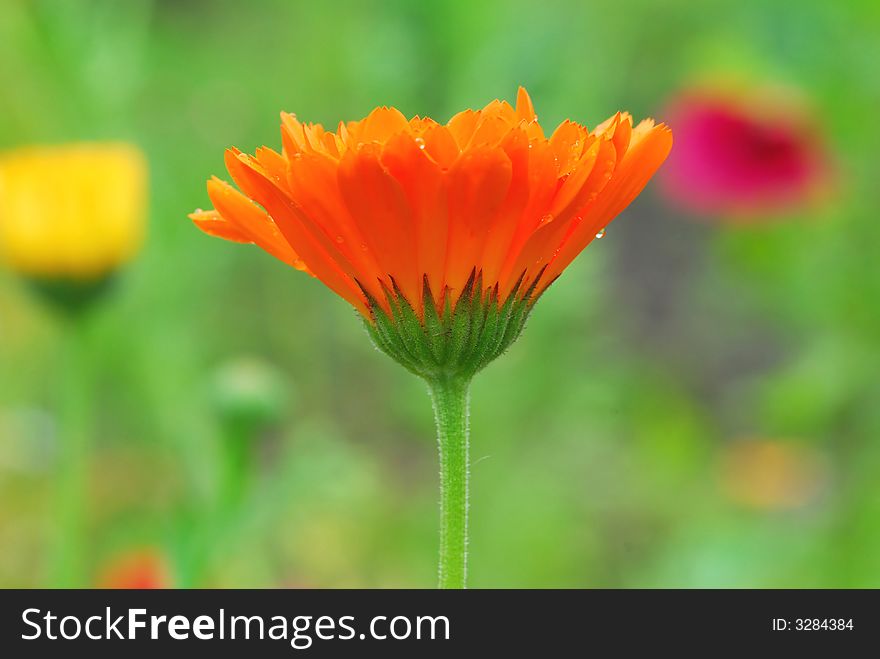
x=450 y=397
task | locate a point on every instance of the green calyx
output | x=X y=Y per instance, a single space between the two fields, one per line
x=456 y=340
x=71 y=297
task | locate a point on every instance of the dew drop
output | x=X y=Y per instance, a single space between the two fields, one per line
x=340 y=239
x=421 y=142
x=198 y=210
x=601 y=233
x=546 y=218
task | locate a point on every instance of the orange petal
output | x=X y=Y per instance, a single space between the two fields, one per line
x=500 y=233
x=314 y=187
x=539 y=250
x=377 y=204
x=292 y=137
x=622 y=135
x=641 y=131
x=525 y=111
x=568 y=142
x=212 y=223
x=582 y=183
x=603 y=127
x=617 y=128
x=421 y=124
x=499 y=110
x=381 y=124
x=441 y=146
x=543 y=186
x=273 y=163
x=478 y=184
x=251 y=221
x=648 y=150
x=489 y=131
x=424 y=185
x=462 y=126
x=312 y=246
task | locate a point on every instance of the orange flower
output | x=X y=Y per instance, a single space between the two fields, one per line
x=441 y=236
x=390 y=204
x=143 y=569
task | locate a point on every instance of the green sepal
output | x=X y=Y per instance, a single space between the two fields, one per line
x=72 y=297
x=433 y=325
x=449 y=338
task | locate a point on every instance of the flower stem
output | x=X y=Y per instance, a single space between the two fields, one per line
x=75 y=444
x=450 y=397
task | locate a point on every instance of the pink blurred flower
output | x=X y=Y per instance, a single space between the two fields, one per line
x=743 y=155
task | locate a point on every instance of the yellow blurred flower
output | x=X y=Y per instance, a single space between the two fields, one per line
x=71 y=212
x=770 y=474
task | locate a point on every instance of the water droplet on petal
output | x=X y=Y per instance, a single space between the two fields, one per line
x=601 y=233
x=421 y=142
x=545 y=219
x=340 y=239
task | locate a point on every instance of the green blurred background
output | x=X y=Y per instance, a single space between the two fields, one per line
x=692 y=404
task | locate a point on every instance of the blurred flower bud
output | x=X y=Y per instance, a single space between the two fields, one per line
x=249 y=392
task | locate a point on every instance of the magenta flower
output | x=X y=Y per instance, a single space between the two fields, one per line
x=742 y=156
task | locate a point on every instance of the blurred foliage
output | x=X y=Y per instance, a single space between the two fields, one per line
x=601 y=443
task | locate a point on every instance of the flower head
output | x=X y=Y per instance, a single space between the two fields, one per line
x=424 y=225
x=742 y=155
x=73 y=212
